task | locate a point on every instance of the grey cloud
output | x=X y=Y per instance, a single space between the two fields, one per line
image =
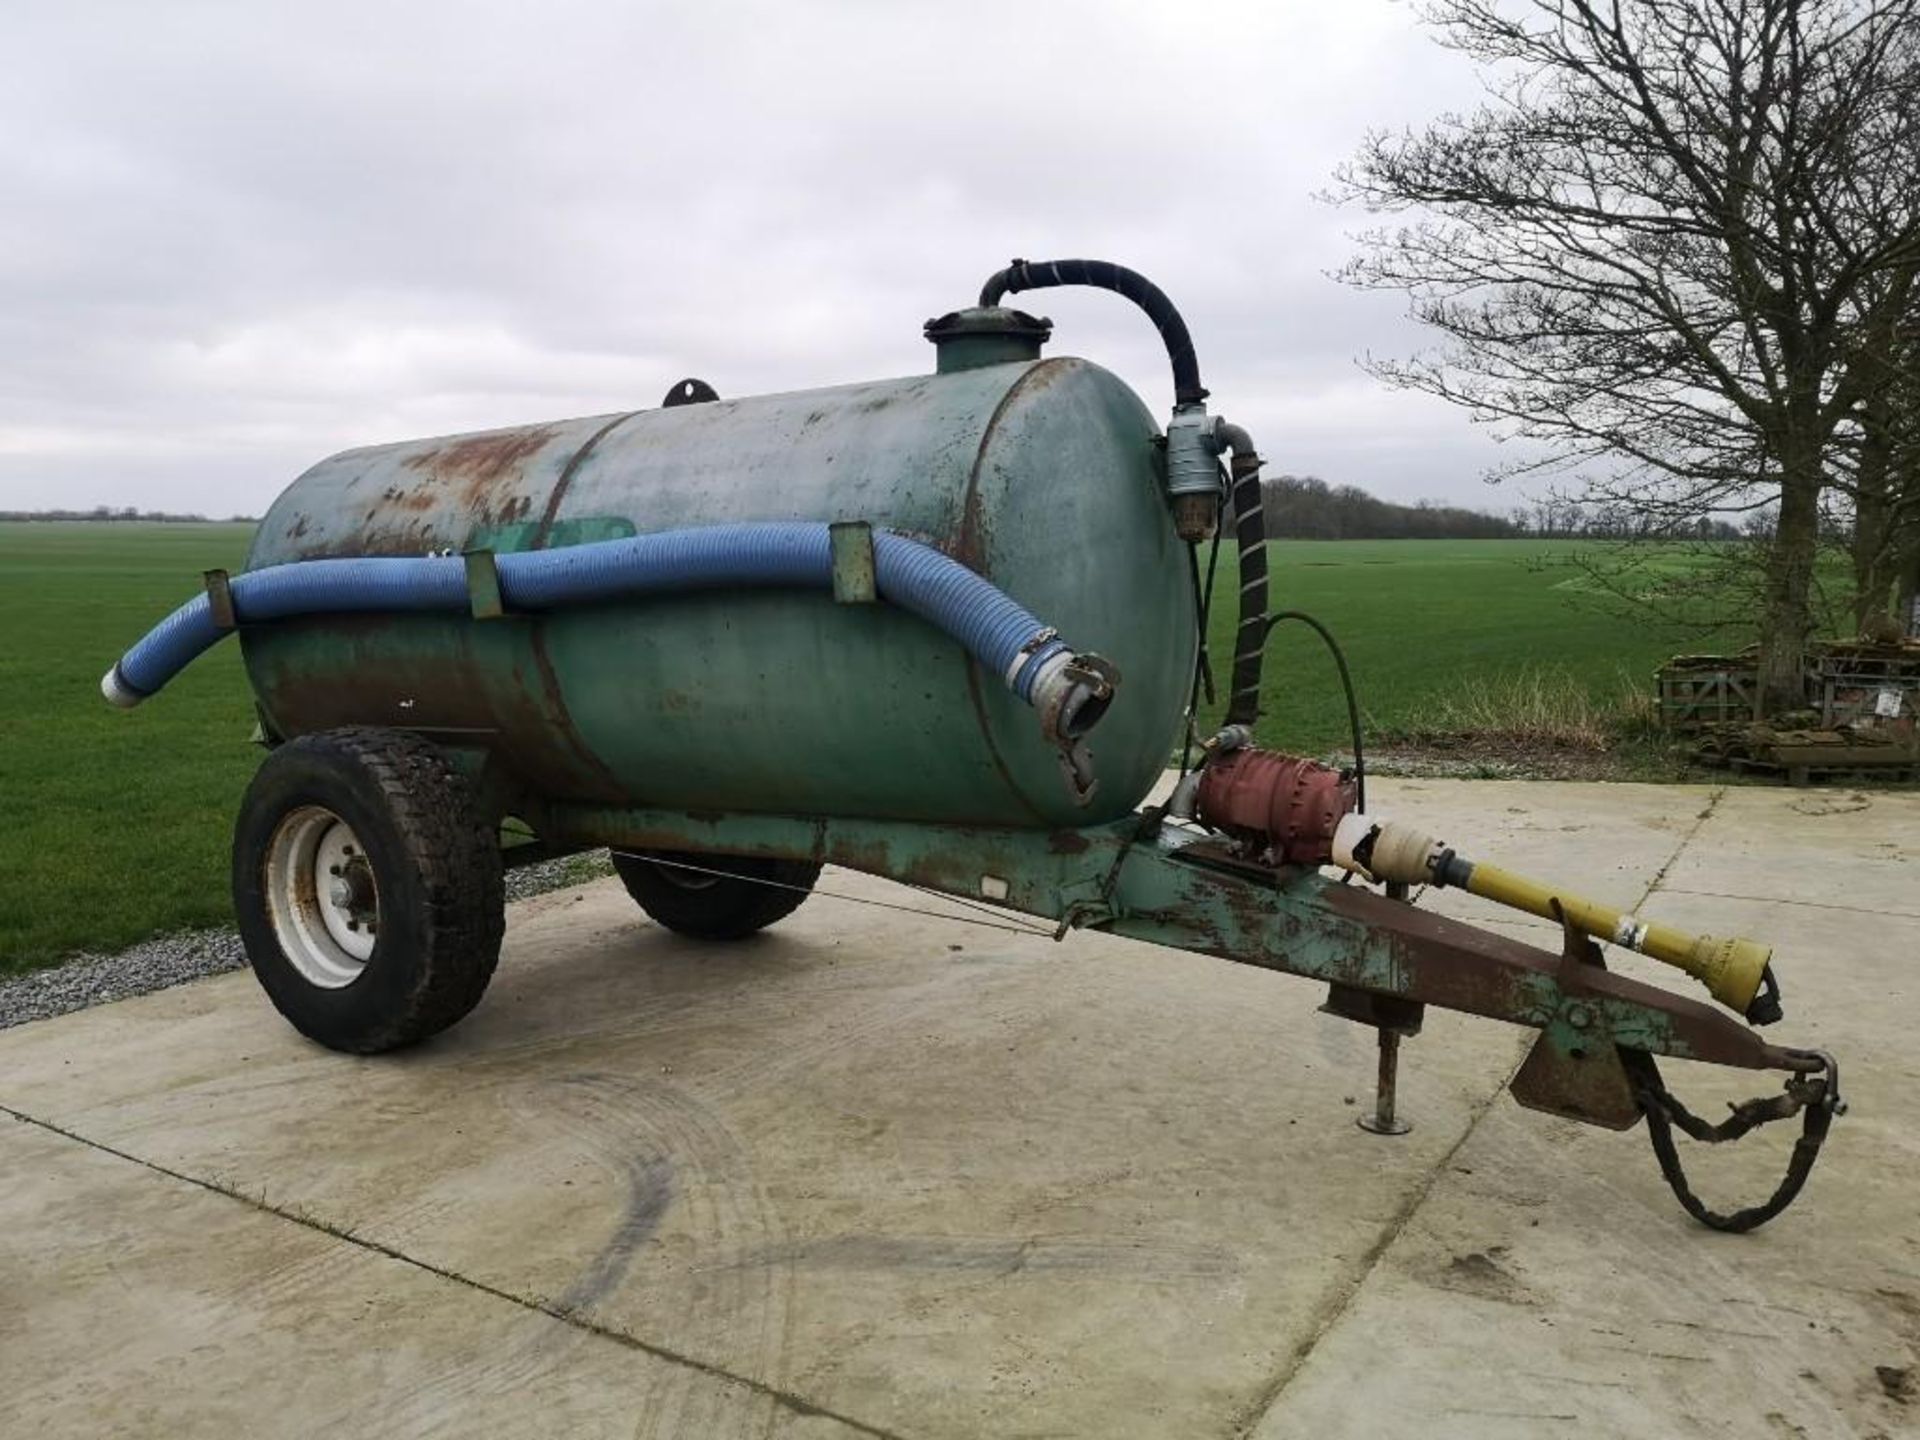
x=240 y=236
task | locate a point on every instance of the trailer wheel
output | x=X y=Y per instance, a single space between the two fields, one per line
x=367 y=888
x=714 y=897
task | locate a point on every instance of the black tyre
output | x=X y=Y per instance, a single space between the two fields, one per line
x=367 y=889
x=714 y=897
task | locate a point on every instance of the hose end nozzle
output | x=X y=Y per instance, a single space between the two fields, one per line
x=118 y=693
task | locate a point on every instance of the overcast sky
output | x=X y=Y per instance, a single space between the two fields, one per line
x=235 y=238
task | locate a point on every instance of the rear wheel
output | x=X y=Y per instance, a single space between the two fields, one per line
x=367 y=889
x=714 y=897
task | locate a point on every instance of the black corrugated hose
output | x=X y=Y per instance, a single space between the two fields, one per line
x=1105 y=275
x=1250 y=538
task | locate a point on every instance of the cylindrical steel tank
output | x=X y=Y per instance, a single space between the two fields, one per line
x=1040 y=474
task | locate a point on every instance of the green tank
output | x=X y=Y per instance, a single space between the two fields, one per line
x=1044 y=475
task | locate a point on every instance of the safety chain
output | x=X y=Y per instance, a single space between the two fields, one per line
x=1813 y=1093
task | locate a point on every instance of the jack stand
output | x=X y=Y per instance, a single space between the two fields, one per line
x=1383 y=1121
x=1393 y=1018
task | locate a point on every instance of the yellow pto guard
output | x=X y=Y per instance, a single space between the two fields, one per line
x=1734 y=971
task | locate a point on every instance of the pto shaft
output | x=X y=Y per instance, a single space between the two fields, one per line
x=1734 y=971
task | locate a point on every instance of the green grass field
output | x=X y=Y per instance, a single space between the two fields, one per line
x=1423 y=620
x=118 y=822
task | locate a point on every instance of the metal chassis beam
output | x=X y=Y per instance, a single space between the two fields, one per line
x=1175 y=886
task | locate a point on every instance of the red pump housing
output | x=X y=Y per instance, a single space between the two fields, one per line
x=1286 y=804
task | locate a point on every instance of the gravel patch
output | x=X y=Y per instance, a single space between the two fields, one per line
x=85 y=980
x=531 y=880
x=167 y=960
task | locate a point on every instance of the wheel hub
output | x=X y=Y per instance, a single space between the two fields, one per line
x=322 y=897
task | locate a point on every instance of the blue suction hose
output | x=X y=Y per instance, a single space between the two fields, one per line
x=1071 y=692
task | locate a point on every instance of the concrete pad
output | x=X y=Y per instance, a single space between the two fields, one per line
x=880 y=1173
x=1869 y=844
x=143 y=1304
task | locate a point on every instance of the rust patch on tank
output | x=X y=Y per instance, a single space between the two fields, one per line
x=421 y=673
x=869 y=857
x=477 y=463
x=476 y=482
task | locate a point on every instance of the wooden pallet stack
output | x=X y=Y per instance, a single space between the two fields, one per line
x=1859 y=725
x=1700 y=690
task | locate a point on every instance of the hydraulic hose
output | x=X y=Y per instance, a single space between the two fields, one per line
x=1105 y=275
x=995 y=629
x=1250 y=536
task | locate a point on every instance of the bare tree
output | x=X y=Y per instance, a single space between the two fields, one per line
x=1656 y=251
x=1879 y=470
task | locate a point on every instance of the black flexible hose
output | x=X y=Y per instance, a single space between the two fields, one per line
x=1105 y=275
x=1202 y=671
x=1353 y=704
x=1250 y=537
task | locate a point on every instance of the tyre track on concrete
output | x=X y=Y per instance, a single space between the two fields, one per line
x=781 y=1400
x=670 y=1157
x=1335 y=1310
x=741 y=1322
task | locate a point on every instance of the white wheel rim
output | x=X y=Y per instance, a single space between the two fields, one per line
x=321 y=897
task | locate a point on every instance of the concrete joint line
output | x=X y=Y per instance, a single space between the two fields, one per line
x=1275 y=1389
x=1699 y=824
x=783 y=1398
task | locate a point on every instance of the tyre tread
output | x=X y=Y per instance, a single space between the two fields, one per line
x=457 y=857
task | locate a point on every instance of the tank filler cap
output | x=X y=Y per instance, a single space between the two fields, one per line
x=987 y=335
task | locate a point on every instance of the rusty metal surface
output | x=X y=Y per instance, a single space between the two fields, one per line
x=1572 y=1070
x=1367 y=1007
x=1199 y=896
x=1281 y=804
x=1589 y=1085
x=436 y=676
x=708 y=699
x=1457 y=966
x=457 y=492
x=854 y=581
x=220 y=599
